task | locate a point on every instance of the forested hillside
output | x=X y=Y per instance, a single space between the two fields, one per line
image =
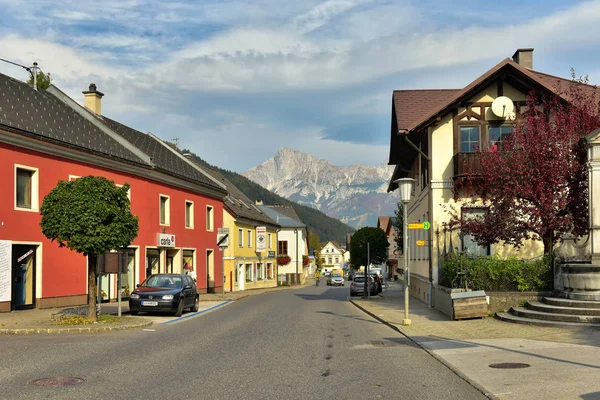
x=326 y=227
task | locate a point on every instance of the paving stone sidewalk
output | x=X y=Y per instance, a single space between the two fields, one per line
x=564 y=363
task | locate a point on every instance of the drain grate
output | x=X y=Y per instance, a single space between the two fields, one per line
x=509 y=365
x=57 y=381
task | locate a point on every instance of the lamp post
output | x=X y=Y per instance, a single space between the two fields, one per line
x=405 y=186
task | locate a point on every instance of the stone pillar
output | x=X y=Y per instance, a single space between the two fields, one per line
x=594 y=194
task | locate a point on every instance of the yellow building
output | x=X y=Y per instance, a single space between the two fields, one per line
x=434 y=134
x=250 y=258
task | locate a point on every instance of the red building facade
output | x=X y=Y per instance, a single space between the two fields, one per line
x=173 y=199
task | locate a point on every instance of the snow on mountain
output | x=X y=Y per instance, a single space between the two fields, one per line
x=356 y=194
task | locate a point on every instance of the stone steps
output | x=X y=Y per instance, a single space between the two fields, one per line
x=539 y=315
x=504 y=316
x=562 y=302
x=554 y=309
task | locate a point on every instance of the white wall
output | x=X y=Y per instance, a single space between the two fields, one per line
x=287 y=234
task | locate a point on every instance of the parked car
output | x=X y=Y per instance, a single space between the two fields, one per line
x=165 y=293
x=357 y=286
x=378 y=281
x=335 y=280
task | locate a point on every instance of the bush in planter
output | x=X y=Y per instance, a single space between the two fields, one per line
x=283 y=259
x=305 y=260
x=496 y=274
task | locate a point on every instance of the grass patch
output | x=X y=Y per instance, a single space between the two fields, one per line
x=83 y=320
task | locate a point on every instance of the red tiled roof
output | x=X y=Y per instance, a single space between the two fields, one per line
x=382 y=223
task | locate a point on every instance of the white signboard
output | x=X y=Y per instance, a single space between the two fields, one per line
x=165 y=240
x=5 y=270
x=261 y=239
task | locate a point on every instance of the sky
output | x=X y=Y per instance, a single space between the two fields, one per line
x=235 y=80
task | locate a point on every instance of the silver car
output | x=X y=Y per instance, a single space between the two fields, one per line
x=357 y=286
x=335 y=280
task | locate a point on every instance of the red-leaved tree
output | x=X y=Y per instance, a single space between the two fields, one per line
x=534 y=185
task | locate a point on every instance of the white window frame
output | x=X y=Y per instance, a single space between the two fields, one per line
x=210 y=218
x=167 y=209
x=35 y=188
x=249 y=238
x=191 y=216
x=240 y=237
x=270 y=240
x=251 y=277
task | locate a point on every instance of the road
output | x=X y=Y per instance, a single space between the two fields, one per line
x=308 y=343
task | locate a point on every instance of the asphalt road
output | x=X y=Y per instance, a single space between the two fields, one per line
x=309 y=343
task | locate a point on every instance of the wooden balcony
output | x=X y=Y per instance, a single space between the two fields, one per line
x=466 y=164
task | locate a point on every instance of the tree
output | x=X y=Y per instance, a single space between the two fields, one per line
x=378 y=246
x=316 y=246
x=398 y=223
x=42 y=81
x=535 y=185
x=89 y=215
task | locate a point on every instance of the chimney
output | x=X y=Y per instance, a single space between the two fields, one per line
x=524 y=57
x=93 y=99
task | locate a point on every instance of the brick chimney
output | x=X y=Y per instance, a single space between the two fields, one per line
x=524 y=57
x=93 y=99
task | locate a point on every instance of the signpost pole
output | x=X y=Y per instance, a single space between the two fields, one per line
x=223 y=271
x=119 y=269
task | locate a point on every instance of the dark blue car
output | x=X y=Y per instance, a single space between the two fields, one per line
x=171 y=293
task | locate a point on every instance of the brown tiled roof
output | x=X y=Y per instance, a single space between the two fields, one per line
x=382 y=222
x=415 y=108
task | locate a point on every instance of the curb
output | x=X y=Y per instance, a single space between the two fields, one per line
x=96 y=329
x=431 y=353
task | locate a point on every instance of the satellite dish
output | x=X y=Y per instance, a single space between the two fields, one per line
x=502 y=107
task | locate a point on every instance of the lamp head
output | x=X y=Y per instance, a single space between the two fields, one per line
x=405 y=187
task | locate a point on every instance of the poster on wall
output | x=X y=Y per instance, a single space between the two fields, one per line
x=261 y=238
x=5 y=270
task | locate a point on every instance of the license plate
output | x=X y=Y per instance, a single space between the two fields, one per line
x=149 y=303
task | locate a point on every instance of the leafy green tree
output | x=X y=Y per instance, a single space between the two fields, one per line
x=89 y=215
x=43 y=80
x=378 y=246
x=399 y=225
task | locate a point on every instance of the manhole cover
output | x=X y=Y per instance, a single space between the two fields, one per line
x=57 y=381
x=509 y=365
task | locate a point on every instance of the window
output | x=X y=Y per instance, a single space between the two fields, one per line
x=249 y=273
x=209 y=218
x=259 y=271
x=498 y=134
x=26 y=188
x=188 y=263
x=337 y=260
x=152 y=262
x=329 y=260
x=249 y=238
x=240 y=238
x=270 y=274
x=469 y=139
x=469 y=245
x=282 y=247
x=164 y=210
x=270 y=241
x=323 y=260
x=189 y=214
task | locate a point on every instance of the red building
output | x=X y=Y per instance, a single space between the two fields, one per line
x=46 y=137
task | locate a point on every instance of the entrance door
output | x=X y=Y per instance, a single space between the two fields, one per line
x=23 y=277
x=210 y=271
x=241 y=276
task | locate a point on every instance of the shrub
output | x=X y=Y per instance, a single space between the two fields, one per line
x=283 y=259
x=496 y=274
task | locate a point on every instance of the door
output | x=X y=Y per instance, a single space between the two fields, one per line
x=241 y=276
x=210 y=271
x=23 y=277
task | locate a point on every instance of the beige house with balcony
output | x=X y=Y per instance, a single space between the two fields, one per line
x=434 y=136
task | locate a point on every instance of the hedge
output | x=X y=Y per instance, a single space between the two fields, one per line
x=496 y=274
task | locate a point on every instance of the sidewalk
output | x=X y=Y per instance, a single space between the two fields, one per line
x=40 y=320
x=564 y=363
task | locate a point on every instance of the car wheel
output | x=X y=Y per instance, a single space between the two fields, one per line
x=179 y=311
x=196 y=306
x=133 y=312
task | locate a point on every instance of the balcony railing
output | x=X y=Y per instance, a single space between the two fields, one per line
x=466 y=163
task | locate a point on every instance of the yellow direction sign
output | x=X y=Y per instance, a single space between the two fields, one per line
x=421 y=242
x=423 y=225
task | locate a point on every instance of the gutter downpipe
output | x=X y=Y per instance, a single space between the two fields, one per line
x=404 y=133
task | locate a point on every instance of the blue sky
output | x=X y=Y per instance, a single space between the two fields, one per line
x=236 y=80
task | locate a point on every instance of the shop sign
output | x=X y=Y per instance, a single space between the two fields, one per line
x=5 y=270
x=271 y=254
x=261 y=239
x=165 y=240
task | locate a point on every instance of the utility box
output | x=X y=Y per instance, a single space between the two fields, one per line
x=469 y=305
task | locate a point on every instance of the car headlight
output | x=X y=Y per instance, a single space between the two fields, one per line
x=168 y=297
x=134 y=296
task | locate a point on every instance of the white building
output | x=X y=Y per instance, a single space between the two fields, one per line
x=331 y=257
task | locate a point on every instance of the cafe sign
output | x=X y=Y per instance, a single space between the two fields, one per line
x=165 y=240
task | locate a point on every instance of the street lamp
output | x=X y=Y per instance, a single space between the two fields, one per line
x=405 y=186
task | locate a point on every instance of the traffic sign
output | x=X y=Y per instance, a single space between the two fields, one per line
x=420 y=225
x=223 y=237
